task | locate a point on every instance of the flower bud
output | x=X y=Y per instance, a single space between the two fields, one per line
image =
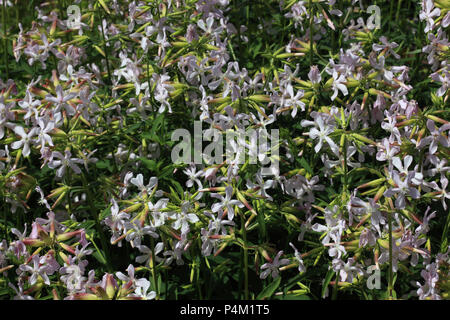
x=259 y=98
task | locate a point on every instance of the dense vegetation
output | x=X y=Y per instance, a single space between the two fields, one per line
x=93 y=205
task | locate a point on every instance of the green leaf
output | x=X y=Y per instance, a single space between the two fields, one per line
x=133 y=128
x=177 y=186
x=328 y=277
x=87 y=225
x=166 y=172
x=105 y=213
x=4 y=292
x=100 y=257
x=296 y=297
x=149 y=163
x=174 y=194
x=270 y=289
x=104 y=164
x=261 y=221
x=305 y=165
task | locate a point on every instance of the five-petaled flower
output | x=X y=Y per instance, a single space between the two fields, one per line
x=273 y=267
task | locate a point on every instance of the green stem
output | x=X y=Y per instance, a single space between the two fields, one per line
x=5 y=209
x=95 y=245
x=335 y=288
x=345 y=166
x=97 y=222
x=153 y=269
x=444 y=240
x=241 y=267
x=310 y=33
x=244 y=237
x=69 y=182
x=104 y=46
x=148 y=78
x=391 y=273
x=398 y=10
x=197 y=278
x=61 y=11
x=239 y=34
x=390 y=15
x=166 y=285
x=5 y=40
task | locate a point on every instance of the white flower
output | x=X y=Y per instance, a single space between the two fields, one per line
x=333 y=228
x=142 y=290
x=137 y=232
x=25 y=141
x=416 y=177
x=261 y=186
x=183 y=218
x=147 y=253
x=159 y=217
x=428 y=13
x=347 y=271
x=61 y=100
x=72 y=278
x=402 y=189
x=208 y=27
x=292 y=100
x=338 y=84
x=139 y=182
x=44 y=129
x=36 y=270
x=321 y=131
x=193 y=177
x=130 y=280
x=226 y=202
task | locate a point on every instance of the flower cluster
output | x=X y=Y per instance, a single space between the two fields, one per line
x=86 y=116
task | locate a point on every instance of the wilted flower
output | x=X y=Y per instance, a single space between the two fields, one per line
x=314 y=75
x=298 y=257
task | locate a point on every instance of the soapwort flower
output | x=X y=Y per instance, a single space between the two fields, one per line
x=402 y=189
x=321 y=130
x=273 y=267
x=427 y=13
x=226 y=202
x=26 y=139
x=66 y=161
